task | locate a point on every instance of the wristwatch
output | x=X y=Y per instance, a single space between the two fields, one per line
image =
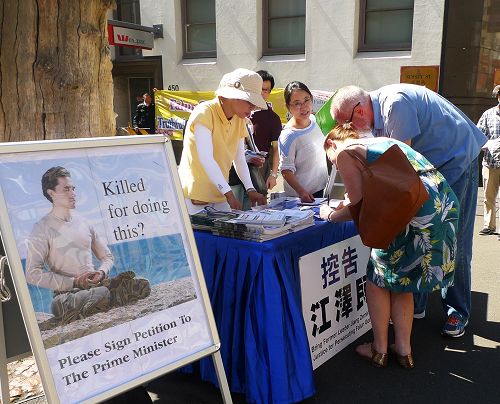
x=273 y=174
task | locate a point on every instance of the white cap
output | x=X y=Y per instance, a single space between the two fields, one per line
x=242 y=84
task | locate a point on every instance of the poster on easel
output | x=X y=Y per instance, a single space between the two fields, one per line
x=104 y=263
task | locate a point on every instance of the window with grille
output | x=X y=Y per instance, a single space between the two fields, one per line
x=284 y=27
x=385 y=25
x=128 y=11
x=199 y=38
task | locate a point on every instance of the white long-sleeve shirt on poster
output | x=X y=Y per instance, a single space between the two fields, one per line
x=66 y=248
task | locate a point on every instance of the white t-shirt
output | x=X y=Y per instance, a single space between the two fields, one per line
x=301 y=151
x=66 y=249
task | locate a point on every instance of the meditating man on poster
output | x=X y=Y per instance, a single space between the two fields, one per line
x=59 y=257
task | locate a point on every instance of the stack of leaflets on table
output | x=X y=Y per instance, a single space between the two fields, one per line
x=229 y=228
x=299 y=219
x=233 y=224
x=256 y=226
x=264 y=225
x=225 y=224
x=205 y=218
x=266 y=217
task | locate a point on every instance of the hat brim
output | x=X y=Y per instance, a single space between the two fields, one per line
x=235 y=94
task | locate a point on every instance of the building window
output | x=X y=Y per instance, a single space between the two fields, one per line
x=385 y=25
x=128 y=11
x=284 y=26
x=198 y=20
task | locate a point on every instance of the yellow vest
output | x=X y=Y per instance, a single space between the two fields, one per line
x=226 y=135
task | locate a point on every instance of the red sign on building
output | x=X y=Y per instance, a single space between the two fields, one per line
x=130 y=37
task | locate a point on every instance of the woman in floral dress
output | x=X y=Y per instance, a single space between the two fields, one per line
x=420 y=259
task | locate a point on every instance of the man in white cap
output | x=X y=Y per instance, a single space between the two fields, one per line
x=489 y=123
x=213 y=141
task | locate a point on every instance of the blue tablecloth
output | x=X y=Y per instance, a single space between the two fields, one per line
x=254 y=290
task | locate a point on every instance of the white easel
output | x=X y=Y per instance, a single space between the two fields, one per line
x=124 y=146
x=4 y=297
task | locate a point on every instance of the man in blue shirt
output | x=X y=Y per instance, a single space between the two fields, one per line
x=450 y=141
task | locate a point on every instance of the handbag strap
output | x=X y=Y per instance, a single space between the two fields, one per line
x=356 y=155
x=250 y=140
x=364 y=162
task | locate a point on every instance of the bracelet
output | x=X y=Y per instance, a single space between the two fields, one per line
x=251 y=190
x=274 y=174
x=329 y=218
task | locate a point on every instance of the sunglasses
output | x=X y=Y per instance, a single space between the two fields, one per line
x=352 y=113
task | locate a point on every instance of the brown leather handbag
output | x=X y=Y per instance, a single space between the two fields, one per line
x=392 y=194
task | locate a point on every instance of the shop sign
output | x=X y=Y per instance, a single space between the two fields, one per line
x=427 y=76
x=129 y=37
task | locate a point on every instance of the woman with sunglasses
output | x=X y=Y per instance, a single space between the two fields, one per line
x=300 y=145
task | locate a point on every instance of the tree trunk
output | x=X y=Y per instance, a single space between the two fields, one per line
x=55 y=70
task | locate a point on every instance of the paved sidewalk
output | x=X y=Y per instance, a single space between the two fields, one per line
x=462 y=370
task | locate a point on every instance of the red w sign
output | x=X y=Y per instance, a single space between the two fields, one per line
x=129 y=37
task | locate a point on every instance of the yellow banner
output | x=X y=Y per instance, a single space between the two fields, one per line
x=172 y=108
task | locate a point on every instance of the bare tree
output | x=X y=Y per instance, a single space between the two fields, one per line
x=55 y=70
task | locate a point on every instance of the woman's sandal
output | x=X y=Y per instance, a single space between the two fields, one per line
x=377 y=359
x=405 y=361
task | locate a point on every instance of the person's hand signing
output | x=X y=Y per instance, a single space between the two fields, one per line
x=306 y=197
x=256 y=198
x=326 y=212
x=271 y=182
x=232 y=201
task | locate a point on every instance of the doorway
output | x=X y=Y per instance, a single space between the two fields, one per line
x=137 y=86
x=131 y=79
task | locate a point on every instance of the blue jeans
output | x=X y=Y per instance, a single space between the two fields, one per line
x=457 y=298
